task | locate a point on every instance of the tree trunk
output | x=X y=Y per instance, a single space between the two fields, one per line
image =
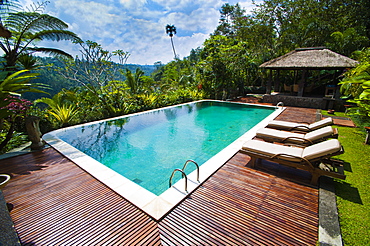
x=173 y=48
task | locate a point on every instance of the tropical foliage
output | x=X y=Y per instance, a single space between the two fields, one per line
x=63 y=107
x=20 y=30
x=226 y=66
x=13 y=109
x=28 y=27
x=98 y=76
x=356 y=85
x=15 y=85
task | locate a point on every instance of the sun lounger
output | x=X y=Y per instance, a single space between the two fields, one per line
x=273 y=135
x=304 y=127
x=314 y=158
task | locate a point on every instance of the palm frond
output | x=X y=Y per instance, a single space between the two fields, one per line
x=18 y=83
x=33 y=22
x=7 y=7
x=49 y=101
x=38 y=7
x=55 y=35
x=50 y=51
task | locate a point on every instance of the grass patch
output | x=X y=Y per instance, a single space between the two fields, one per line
x=353 y=194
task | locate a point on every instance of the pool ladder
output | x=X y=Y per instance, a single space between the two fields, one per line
x=281 y=104
x=182 y=171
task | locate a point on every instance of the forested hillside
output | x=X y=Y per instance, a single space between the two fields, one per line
x=48 y=67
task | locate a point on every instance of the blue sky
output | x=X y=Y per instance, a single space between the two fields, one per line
x=138 y=26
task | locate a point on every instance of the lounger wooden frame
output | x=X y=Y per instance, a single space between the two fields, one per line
x=312 y=166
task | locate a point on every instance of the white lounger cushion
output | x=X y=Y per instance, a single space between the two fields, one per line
x=319 y=133
x=269 y=133
x=270 y=149
x=278 y=134
x=322 y=149
x=278 y=124
x=312 y=152
x=321 y=123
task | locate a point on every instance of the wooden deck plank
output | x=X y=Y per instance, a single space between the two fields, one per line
x=56 y=202
x=61 y=203
x=233 y=218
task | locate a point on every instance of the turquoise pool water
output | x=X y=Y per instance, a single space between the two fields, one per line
x=147 y=147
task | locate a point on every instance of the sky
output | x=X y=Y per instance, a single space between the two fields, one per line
x=138 y=26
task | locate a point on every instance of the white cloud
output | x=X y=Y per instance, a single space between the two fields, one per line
x=27 y=3
x=133 y=4
x=184 y=5
x=249 y=6
x=186 y=44
x=198 y=20
x=87 y=19
x=138 y=26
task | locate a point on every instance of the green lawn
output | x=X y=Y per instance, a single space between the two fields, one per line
x=353 y=196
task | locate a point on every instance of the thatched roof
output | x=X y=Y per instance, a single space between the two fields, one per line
x=310 y=58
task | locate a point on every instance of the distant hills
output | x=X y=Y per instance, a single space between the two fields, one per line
x=57 y=82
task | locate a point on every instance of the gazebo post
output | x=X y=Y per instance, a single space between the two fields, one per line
x=277 y=82
x=269 y=82
x=302 y=83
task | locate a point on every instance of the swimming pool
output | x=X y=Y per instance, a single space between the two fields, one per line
x=136 y=154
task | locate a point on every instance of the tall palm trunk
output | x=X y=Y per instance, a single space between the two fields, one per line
x=173 y=48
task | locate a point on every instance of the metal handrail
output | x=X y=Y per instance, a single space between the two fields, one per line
x=279 y=104
x=196 y=164
x=183 y=175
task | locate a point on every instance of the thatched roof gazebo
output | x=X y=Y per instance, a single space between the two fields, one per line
x=316 y=58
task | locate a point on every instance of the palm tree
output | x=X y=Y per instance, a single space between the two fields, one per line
x=29 y=27
x=133 y=80
x=171 y=30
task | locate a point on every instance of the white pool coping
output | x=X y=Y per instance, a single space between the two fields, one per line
x=153 y=205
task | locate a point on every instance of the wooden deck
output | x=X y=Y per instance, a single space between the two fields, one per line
x=57 y=203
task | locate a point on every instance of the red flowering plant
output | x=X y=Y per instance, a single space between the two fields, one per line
x=16 y=108
x=15 y=111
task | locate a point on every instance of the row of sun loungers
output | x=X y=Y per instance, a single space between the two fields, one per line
x=309 y=150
